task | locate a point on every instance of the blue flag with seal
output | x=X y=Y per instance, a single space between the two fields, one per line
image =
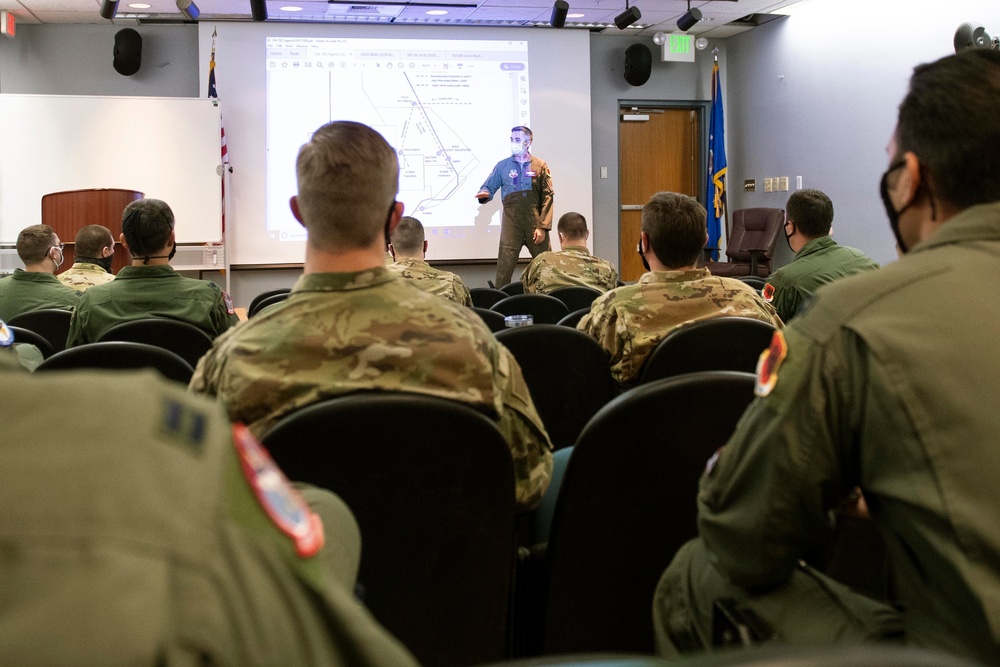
x=716 y=199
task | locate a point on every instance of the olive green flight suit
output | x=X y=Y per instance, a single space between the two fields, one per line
x=29 y=290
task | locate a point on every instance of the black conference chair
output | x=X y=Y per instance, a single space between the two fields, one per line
x=182 y=338
x=118 y=355
x=568 y=374
x=573 y=318
x=543 y=308
x=51 y=323
x=719 y=343
x=576 y=297
x=510 y=289
x=268 y=301
x=494 y=320
x=627 y=503
x=485 y=297
x=755 y=282
x=431 y=483
x=31 y=338
x=255 y=303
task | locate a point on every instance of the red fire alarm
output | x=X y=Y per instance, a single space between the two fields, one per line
x=7 y=24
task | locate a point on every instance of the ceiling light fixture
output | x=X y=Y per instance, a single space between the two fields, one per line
x=290 y=8
x=559 y=11
x=690 y=18
x=258 y=10
x=660 y=38
x=139 y=5
x=188 y=9
x=627 y=17
x=437 y=12
x=109 y=8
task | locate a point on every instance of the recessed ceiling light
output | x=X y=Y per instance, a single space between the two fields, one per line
x=574 y=16
x=139 y=5
x=290 y=8
x=437 y=12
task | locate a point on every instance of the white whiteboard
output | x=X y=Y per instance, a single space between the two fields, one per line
x=166 y=148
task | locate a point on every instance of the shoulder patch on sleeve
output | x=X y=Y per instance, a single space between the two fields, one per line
x=768 y=364
x=767 y=292
x=6 y=335
x=277 y=498
x=226 y=299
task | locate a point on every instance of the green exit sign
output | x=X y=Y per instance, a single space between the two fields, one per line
x=678 y=48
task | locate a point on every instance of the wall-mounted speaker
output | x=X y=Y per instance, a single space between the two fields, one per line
x=128 y=52
x=638 y=64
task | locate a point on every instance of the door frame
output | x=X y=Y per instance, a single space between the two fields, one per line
x=702 y=108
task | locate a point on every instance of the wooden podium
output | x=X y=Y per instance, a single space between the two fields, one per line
x=69 y=212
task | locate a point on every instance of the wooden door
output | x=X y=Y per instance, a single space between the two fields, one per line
x=658 y=151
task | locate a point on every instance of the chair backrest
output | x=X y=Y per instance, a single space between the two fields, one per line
x=258 y=305
x=485 y=297
x=118 y=355
x=31 y=338
x=431 y=483
x=51 y=323
x=718 y=343
x=754 y=228
x=182 y=338
x=516 y=287
x=573 y=318
x=576 y=296
x=253 y=307
x=543 y=308
x=567 y=372
x=627 y=503
x=756 y=282
x=494 y=320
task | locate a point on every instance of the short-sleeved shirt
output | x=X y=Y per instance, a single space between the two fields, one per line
x=339 y=333
x=83 y=275
x=160 y=537
x=30 y=290
x=150 y=291
x=426 y=277
x=820 y=261
x=889 y=381
x=526 y=188
x=630 y=321
x=571 y=266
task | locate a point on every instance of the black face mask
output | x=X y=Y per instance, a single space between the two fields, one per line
x=890 y=210
x=788 y=237
x=642 y=255
x=103 y=262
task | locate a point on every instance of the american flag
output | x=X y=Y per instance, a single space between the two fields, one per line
x=213 y=93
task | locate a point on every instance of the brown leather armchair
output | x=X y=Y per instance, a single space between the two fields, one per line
x=751 y=243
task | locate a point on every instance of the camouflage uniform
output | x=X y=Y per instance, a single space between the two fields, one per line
x=29 y=290
x=573 y=265
x=150 y=291
x=887 y=382
x=166 y=536
x=82 y=275
x=630 y=321
x=429 y=279
x=820 y=261
x=339 y=333
x=527 y=204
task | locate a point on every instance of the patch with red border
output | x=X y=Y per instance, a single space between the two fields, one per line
x=279 y=500
x=767 y=292
x=768 y=364
x=228 y=301
x=6 y=335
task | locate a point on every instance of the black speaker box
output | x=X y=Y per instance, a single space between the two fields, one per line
x=638 y=64
x=128 y=51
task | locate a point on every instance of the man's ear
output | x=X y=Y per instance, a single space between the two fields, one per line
x=108 y=250
x=121 y=239
x=395 y=216
x=293 y=203
x=644 y=241
x=425 y=246
x=909 y=181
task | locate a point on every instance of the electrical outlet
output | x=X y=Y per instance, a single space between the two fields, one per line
x=783 y=184
x=750 y=185
x=768 y=185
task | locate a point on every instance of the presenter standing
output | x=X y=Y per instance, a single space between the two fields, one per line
x=526 y=187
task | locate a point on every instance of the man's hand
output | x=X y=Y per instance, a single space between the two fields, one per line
x=538 y=236
x=483 y=196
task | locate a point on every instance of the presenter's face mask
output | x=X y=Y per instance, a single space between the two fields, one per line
x=519 y=144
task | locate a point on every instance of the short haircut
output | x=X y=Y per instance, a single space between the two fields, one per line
x=676 y=227
x=92 y=239
x=33 y=243
x=408 y=237
x=573 y=226
x=348 y=176
x=146 y=225
x=811 y=211
x=949 y=120
x=523 y=128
